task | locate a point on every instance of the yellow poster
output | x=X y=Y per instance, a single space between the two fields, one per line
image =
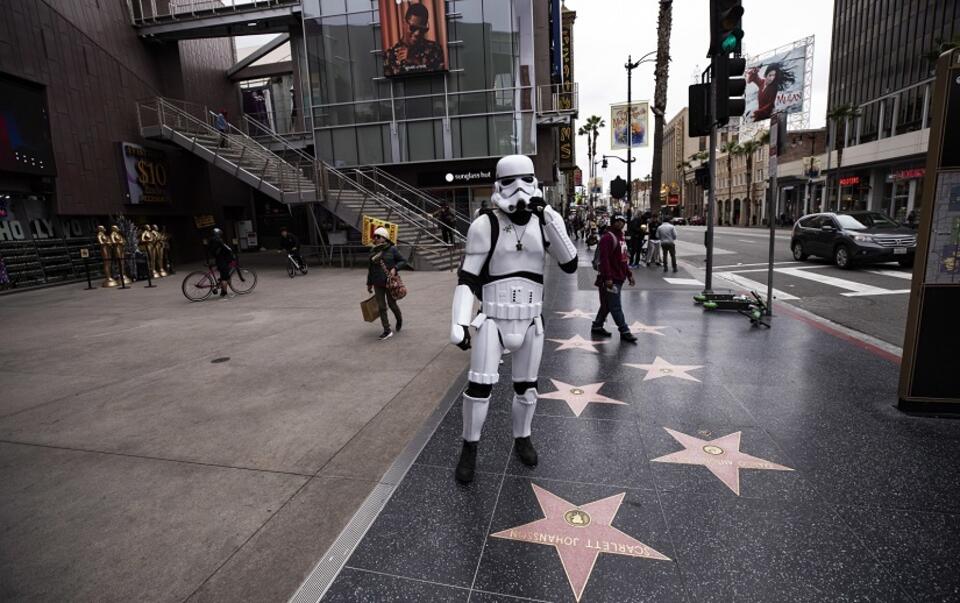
x=370 y=224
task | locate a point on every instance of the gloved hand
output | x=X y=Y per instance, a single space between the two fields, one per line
x=460 y=336
x=536 y=205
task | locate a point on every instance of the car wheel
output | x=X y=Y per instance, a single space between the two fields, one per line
x=798 y=253
x=841 y=257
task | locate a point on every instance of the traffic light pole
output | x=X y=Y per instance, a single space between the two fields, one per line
x=711 y=194
x=630 y=67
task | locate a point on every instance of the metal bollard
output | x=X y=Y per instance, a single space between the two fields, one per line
x=86 y=268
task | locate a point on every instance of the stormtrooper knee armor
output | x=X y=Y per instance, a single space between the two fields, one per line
x=503 y=268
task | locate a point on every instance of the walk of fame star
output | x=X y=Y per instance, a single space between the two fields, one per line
x=721 y=456
x=579 y=533
x=578 y=396
x=577 y=343
x=638 y=328
x=576 y=313
x=662 y=368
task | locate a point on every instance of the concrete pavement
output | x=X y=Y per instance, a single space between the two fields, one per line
x=136 y=468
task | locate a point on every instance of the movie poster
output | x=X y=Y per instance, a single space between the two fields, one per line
x=775 y=84
x=640 y=124
x=414 y=37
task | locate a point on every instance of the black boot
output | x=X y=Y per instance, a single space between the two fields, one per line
x=525 y=450
x=467 y=463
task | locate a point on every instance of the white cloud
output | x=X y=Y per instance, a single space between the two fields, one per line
x=607 y=31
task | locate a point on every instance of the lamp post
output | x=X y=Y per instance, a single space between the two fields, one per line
x=630 y=66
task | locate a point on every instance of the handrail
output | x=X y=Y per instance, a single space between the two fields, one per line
x=179 y=10
x=434 y=203
x=418 y=216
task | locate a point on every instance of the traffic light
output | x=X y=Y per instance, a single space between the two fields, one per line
x=731 y=87
x=604 y=164
x=725 y=30
x=698 y=103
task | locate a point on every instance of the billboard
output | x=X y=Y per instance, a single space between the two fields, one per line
x=414 y=37
x=146 y=174
x=775 y=83
x=640 y=124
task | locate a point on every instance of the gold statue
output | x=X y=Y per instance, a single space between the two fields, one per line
x=161 y=243
x=147 y=245
x=105 y=249
x=118 y=242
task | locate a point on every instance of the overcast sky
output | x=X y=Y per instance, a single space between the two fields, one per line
x=607 y=31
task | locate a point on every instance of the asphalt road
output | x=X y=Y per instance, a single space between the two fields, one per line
x=870 y=299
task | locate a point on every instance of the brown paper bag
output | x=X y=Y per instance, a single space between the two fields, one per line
x=370 y=309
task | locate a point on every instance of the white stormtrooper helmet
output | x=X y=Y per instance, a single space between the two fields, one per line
x=516 y=184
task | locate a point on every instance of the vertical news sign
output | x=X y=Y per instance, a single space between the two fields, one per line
x=928 y=376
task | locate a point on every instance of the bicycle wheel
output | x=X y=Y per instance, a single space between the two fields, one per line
x=291 y=269
x=303 y=266
x=243 y=280
x=197 y=286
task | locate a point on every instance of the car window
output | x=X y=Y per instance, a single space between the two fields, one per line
x=852 y=222
x=809 y=221
x=875 y=220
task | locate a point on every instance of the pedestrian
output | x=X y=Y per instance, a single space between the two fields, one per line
x=653 y=242
x=667 y=233
x=447 y=220
x=635 y=236
x=912 y=219
x=290 y=244
x=384 y=260
x=612 y=271
x=590 y=232
x=577 y=226
x=224 y=257
x=220 y=123
x=481 y=209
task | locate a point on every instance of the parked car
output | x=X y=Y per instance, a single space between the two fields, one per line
x=679 y=221
x=697 y=221
x=857 y=237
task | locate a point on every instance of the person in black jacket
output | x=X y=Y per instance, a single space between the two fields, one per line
x=222 y=256
x=291 y=245
x=386 y=252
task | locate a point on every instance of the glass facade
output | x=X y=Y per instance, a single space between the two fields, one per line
x=484 y=106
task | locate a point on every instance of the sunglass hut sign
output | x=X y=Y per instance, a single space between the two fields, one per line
x=468 y=178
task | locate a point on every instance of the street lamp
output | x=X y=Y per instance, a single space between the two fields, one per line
x=630 y=66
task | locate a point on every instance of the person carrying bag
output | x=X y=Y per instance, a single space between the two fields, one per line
x=383 y=280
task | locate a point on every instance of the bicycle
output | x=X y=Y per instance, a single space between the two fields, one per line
x=293 y=266
x=199 y=284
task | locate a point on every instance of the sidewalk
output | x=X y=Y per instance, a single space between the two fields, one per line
x=711 y=462
x=136 y=468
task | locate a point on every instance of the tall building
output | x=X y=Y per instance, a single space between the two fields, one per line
x=496 y=89
x=881 y=63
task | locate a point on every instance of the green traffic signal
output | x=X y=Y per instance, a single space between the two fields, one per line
x=732 y=40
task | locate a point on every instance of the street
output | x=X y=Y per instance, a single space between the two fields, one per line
x=871 y=299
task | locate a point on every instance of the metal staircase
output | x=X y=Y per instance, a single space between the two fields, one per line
x=293 y=177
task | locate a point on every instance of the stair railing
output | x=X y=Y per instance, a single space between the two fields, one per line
x=427 y=203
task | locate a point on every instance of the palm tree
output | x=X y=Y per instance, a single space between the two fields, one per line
x=748 y=149
x=730 y=148
x=591 y=129
x=834 y=117
x=661 y=73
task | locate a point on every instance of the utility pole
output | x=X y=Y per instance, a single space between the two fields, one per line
x=630 y=66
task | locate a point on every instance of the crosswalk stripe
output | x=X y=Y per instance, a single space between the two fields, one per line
x=754 y=285
x=840 y=283
x=881 y=292
x=683 y=281
x=907 y=276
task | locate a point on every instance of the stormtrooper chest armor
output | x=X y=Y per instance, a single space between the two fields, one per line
x=517 y=256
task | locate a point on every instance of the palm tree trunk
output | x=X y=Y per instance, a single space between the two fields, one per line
x=729 y=181
x=662 y=72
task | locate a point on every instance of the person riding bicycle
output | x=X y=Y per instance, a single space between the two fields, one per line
x=291 y=245
x=223 y=256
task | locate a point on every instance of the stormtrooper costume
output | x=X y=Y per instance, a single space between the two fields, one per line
x=503 y=268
